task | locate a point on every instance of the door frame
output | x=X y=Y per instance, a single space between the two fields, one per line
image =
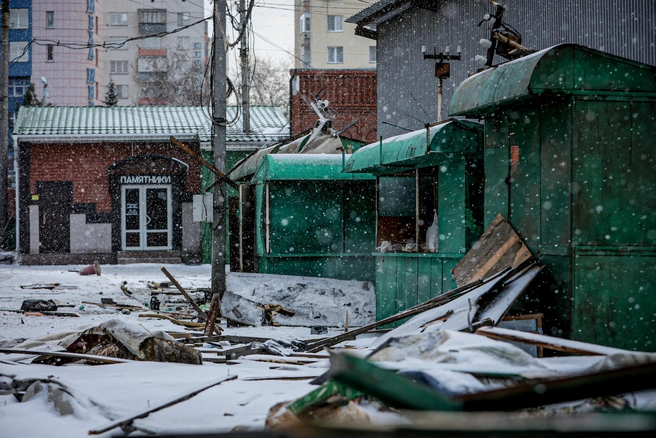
x=143 y=231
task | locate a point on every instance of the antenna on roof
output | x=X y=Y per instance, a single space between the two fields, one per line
x=505 y=40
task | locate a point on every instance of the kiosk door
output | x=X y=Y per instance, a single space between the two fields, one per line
x=146 y=217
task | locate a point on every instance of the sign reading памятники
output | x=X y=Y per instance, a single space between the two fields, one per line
x=145 y=179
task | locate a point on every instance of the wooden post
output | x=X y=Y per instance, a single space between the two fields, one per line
x=189 y=299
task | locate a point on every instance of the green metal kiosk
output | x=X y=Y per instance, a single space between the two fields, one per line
x=309 y=217
x=570 y=161
x=433 y=172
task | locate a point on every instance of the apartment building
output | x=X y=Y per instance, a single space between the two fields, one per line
x=323 y=39
x=162 y=70
x=66 y=67
x=20 y=53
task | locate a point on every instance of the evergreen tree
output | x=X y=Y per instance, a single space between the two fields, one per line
x=111 y=97
x=30 y=98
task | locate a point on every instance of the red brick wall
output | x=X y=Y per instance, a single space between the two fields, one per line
x=87 y=166
x=352 y=95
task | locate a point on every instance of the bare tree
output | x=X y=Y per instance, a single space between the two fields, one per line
x=174 y=81
x=269 y=83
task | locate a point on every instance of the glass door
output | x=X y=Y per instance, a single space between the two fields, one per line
x=146 y=217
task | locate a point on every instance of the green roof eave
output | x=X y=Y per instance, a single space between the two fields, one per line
x=566 y=69
x=305 y=167
x=416 y=149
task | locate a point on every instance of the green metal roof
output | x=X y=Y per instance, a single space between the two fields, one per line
x=303 y=167
x=558 y=70
x=268 y=124
x=420 y=148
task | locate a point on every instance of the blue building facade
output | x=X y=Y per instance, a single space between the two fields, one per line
x=20 y=63
x=20 y=52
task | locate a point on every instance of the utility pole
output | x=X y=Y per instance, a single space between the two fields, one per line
x=219 y=147
x=4 y=122
x=442 y=71
x=243 y=54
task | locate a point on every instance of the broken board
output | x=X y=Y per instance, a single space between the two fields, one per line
x=498 y=247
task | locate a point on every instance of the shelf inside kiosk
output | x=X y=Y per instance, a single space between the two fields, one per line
x=406 y=208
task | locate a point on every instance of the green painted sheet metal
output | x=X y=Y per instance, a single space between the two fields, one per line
x=340 y=266
x=406 y=279
x=422 y=148
x=389 y=387
x=558 y=70
x=321 y=228
x=614 y=301
x=614 y=172
x=305 y=167
x=207 y=179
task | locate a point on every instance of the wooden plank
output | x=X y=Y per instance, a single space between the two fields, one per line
x=214 y=308
x=126 y=422
x=204 y=162
x=189 y=299
x=65 y=354
x=550 y=342
x=438 y=301
x=173 y=320
x=498 y=247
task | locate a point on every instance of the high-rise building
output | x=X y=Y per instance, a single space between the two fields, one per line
x=20 y=53
x=161 y=70
x=66 y=67
x=323 y=39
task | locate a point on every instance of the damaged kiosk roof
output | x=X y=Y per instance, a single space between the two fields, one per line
x=422 y=148
x=565 y=69
x=301 y=167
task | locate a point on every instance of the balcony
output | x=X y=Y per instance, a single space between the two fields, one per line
x=152 y=52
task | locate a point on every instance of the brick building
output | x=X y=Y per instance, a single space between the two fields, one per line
x=105 y=183
x=351 y=95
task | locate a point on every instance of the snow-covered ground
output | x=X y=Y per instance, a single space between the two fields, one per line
x=105 y=392
x=101 y=393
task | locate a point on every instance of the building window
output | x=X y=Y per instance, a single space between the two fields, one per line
x=305 y=23
x=18 y=87
x=18 y=51
x=152 y=16
x=152 y=64
x=152 y=21
x=118 y=19
x=91 y=22
x=92 y=92
x=372 y=53
x=50 y=52
x=92 y=54
x=91 y=76
x=91 y=6
x=197 y=54
x=151 y=43
x=197 y=45
x=306 y=54
x=183 y=43
x=18 y=18
x=122 y=91
x=117 y=43
x=335 y=55
x=50 y=19
x=183 y=18
x=335 y=23
x=118 y=67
